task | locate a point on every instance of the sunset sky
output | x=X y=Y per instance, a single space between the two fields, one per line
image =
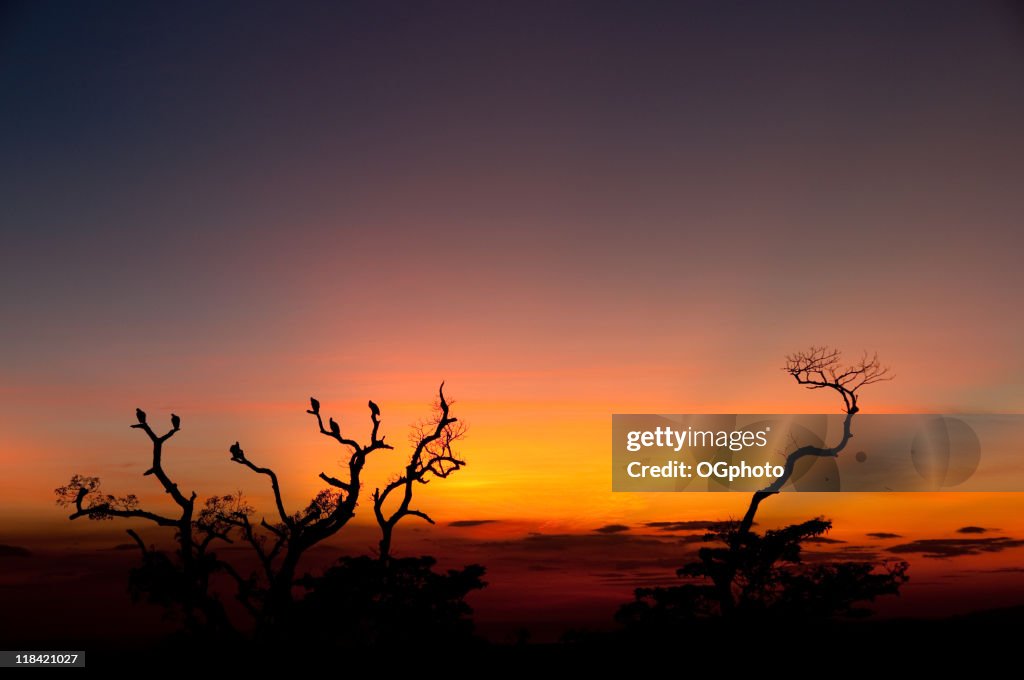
x=562 y=210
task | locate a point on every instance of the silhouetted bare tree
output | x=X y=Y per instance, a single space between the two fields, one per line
x=184 y=582
x=821 y=368
x=280 y=544
x=755 y=574
x=432 y=455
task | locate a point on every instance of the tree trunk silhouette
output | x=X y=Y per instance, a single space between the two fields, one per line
x=84 y=495
x=818 y=367
x=434 y=456
x=332 y=508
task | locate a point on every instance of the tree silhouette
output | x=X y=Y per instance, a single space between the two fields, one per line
x=432 y=455
x=755 y=575
x=820 y=368
x=283 y=543
x=186 y=582
x=184 y=579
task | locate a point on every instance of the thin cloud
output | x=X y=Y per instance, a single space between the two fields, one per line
x=853 y=552
x=566 y=542
x=938 y=548
x=662 y=564
x=822 y=540
x=974 y=530
x=14 y=551
x=612 y=529
x=696 y=538
x=688 y=525
x=639 y=580
x=883 y=535
x=464 y=523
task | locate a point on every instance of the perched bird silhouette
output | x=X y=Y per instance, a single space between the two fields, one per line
x=141 y=415
x=236 y=452
x=175 y=422
x=314 y=405
x=335 y=430
x=440 y=393
x=374 y=409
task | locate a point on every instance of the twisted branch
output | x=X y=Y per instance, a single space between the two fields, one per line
x=432 y=455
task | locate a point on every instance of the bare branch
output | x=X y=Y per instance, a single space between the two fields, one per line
x=333 y=481
x=245 y=588
x=138 y=540
x=238 y=456
x=821 y=367
x=433 y=455
x=277 y=531
x=420 y=514
x=84 y=495
x=157 y=467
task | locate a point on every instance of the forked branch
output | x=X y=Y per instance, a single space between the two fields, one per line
x=433 y=455
x=84 y=495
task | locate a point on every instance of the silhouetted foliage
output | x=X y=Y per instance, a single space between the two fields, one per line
x=96 y=505
x=764 y=576
x=364 y=602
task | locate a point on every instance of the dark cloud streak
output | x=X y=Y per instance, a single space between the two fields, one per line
x=612 y=529
x=938 y=548
x=564 y=542
x=688 y=525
